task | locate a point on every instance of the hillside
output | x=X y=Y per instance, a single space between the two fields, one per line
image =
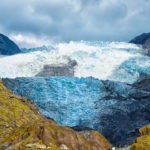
x=23 y=127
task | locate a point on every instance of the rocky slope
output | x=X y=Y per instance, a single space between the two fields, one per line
x=8 y=47
x=115 y=109
x=22 y=127
x=142 y=142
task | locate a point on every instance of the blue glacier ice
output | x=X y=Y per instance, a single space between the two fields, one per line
x=115 y=109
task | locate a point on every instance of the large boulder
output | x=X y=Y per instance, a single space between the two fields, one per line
x=8 y=47
x=58 y=70
x=115 y=109
x=22 y=127
x=144 y=40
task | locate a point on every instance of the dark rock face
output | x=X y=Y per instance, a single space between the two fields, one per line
x=8 y=47
x=143 y=83
x=144 y=40
x=58 y=70
x=115 y=109
x=81 y=128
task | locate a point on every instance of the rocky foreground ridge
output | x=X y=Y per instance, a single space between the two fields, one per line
x=143 y=141
x=22 y=127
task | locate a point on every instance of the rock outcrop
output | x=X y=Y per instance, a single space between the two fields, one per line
x=144 y=40
x=22 y=127
x=142 y=142
x=58 y=70
x=115 y=109
x=8 y=47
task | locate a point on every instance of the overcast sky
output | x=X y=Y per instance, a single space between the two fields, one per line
x=36 y=22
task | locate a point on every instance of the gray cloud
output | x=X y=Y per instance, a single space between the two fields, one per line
x=67 y=20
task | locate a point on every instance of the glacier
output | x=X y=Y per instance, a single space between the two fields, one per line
x=109 y=91
x=117 y=61
x=115 y=109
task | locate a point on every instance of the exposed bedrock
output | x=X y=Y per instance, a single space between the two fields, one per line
x=115 y=109
x=58 y=70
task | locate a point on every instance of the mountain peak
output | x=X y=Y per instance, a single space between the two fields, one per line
x=7 y=46
x=143 y=40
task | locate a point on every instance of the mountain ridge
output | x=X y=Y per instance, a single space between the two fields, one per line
x=7 y=46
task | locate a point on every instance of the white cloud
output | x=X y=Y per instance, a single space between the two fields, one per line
x=29 y=41
x=75 y=19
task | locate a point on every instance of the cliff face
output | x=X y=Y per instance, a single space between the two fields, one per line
x=8 y=47
x=23 y=127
